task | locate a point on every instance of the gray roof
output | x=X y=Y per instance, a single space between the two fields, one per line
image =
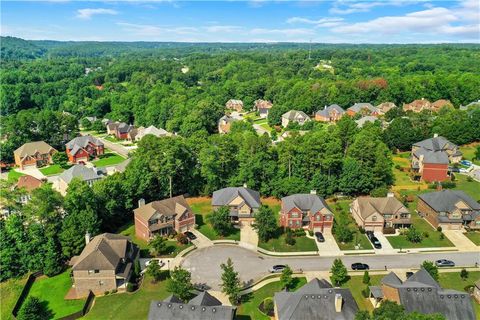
x=202 y=307
x=361 y=122
x=376 y=291
x=224 y=196
x=438 y=157
x=315 y=302
x=79 y=171
x=421 y=293
x=304 y=202
x=391 y=279
x=357 y=107
x=81 y=142
x=294 y=114
x=445 y=200
x=326 y=111
x=436 y=144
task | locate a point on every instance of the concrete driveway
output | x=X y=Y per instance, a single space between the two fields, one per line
x=460 y=241
x=248 y=236
x=386 y=246
x=328 y=248
x=201 y=241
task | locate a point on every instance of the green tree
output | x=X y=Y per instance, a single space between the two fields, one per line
x=61 y=159
x=230 y=282
x=413 y=235
x=265 y=223
x=98 y=126
x=366 y=277
x=477 y=153
x=159 y=245
x=221 y=221
x=342 y=231
x=154 y=271
x=339 y=273
x=34 y=309
x=286 y=278
x=180 y=283
x=86 y=124
x=464 y=274
x=388 y=310
x=355 y=178
x=431 y=268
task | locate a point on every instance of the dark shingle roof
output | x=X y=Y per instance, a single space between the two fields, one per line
x=81 y=142
x=357 y=107
x=166 y=207
x=438 y=157
x=205 y=299
x=326 y=111
x=304 y=202
x=224 y=196
x=445 y=200
x=436 y=144
x=391 y=279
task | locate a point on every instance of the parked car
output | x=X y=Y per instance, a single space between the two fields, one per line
x=190 y=235
x=360 y=266
x=462 y=170
x=453 y=169
x=466 y=163
x=160 y=262
x=319 y=237
x=277 y=268
x=444 y=263
x=374 y=240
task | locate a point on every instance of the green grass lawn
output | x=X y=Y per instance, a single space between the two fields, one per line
x=278 y=244
x=474 y=236
x=356 y=286
x=469 y=187
x=52 y=169
x=126 y=305
x=249 y=308
x=469 y=152
x=13 y=175
x=53 y=290
x=108 y=159
x=9 y=292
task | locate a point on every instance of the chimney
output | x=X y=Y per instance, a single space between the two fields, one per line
x=245 y=185
x=87 y=238
x=390 y=195
x=435 y=135
x=141 y=202
x=313 y=191
x=338 y=302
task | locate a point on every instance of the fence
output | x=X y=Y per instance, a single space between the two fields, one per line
x=85 y=309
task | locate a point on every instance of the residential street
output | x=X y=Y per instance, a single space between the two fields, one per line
x=204 y=264
x=123 y=151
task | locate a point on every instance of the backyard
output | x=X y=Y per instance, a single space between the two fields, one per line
x=401 y=164
x=108 y=159
x=10 y=290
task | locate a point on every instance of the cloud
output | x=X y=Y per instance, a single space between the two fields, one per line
x=223 y=29
x=319 y=23
x=88 y=13
x=348 y=7
x=283 y=32
x=151 y=30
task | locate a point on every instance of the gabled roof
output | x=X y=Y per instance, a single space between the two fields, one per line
x=227 y=119
x=305 y=202
x=357 y=107
x=391 y=279
x=325 y=112
x=438 y=157
x=436 y=144
x=103 y=252
x=31 y=148
x=384 y=205
x=445 y=200
x=28 y=182
x=79 y=143
x=295 y=114
x=422 y=277
x=437 y=105
x=262 y=104
x=361 y=122
x=224 y=196
x=79 y=171
x=167 y=207
x=386 y=106
x=124 y=128
x=205 y=299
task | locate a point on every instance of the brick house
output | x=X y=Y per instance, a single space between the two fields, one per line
x=119 y=129
x=163 y=217
x=418 y=105
x=225 y=124
x=27 y=183
x=431 y=158
x=81 y=149
x=365 y=109
x=449 y=209
x=421 y=293
x=332 y=113
x=376 y=214
x=105 y=264
x=33 y=154
x=307 y=211
x=242 y=201
x=299 y=117
x=263 y=107
x=234 y=104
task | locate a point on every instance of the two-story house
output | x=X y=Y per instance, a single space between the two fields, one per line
x=236 y=105
x=299 y=117
x=431 y=157
x=332 y=113
x=33 y=154
x=376 y=214
x=364 y=109
x=307 y=211
x=78 y=171
x=163 y=217
x=449 y=209
x=142 y=132
x=28 y=184
x=225 y=124
x=418 y=105
x=81 y=149
x=263 y=107
x=242 y=201
x=384 y=107
x=105 y=264
x=119 y=129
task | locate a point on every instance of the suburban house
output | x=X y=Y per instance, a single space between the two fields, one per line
x=417 y=105
x=316 y=300
x=476 y=291
x=439 y=104
x=332 y=113
x=225 y=124
x=202 y=307
x=132 y=134
x=163 y=217
x=299 y=117
x=307 y=211
x=34 y=154
x=78 y=171
x=105 y=264
x=365 y=119
x=364 y=109
x=471 y=105
x=81 y=149
x=421 y=293
x=242 y=201
x=290 y=133
x=142 y=132
x=236 y=105
x=119 y=129
x=28 y=183
x=263 y=107
x=431 y=157
x=449 y=209
x=376 y=214
x=385 y=107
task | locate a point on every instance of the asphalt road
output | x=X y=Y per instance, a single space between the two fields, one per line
x=204 y=264
x=115 y=147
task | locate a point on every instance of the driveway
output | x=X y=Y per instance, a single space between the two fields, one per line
x=204 y=264
x=201 y=241
x=460 y=241
x=329 y=247
x=248 y=236
x=32 y=171
x=260 y=130
x=118 y=148
x=386 y=246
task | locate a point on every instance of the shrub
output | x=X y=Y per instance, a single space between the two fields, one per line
x=388 y=230
x=310 y=233
x=289 y=239
x=130 y=287
x=106 y=293
x=442 y=236
x=448 y=184
x=268 y=306
x=469 y=179
x=181 y=238
x=439 y=229
x=115 y=290
x=413 y=235
x=464 y=274
x=398 y=167
x=426 y=234
x=379 y=192
x=366 y=292
x=299 y=232
x=362 y=230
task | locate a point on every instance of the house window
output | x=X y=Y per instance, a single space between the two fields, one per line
x=294 y=215
x=298 y=223
x=290 y=222
x=93 y=271
x=317 y=217
x=374 y=218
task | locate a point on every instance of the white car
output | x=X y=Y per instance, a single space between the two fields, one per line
x=160 y=262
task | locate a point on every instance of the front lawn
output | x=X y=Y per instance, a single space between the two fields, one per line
x=52 y=169
x=13 y=175
x=468 y=151
x=249 y=307
x=302 y=243
x=474 y=236
x=127 y=305
x=10 y=290
x=469 y=187
x=108 y=159
x=53 y=290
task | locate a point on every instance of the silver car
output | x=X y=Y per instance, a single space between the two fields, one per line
x=444 y=263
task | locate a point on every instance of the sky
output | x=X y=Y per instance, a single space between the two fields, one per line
x=340 y=21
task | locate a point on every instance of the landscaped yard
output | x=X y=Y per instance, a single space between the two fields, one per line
x=468 y=151
x=126 y=306
x=53 y=290
x=470 y=187
x=249 y=308
x=356 y=286
x=302 y=243
x=108 y=159
x=52 y=169
x=402 y=177
x=474 y=236
x=9 y=292
x=14 y=175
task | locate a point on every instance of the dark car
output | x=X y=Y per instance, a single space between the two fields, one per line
x=374 y=240
x=444 y=263
x=360 y=266
x=190 y=235
x=319 y=237
x=277 y=268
